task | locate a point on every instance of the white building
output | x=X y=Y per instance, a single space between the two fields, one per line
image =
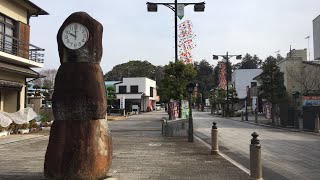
x=138 y=91
x=241 y=78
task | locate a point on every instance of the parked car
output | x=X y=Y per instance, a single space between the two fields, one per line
x=218 y=112
x=158 y=107
x=238 y=112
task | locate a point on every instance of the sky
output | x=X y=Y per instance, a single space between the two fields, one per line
x=259 y=27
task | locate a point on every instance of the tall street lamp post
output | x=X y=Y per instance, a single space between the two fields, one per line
x=198 y=7
x=227 y=57
x=190 y=88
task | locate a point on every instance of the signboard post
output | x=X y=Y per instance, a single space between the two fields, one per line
x=122 y=102
x=123 y=105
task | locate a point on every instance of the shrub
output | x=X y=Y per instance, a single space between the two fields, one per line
x=44 y=118
x=13 y=127
x=23 y=126
x=3 y=129
x=46 y=124
x=33 y=124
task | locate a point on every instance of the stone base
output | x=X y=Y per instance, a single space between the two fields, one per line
x=214 y=152
x=78 y=150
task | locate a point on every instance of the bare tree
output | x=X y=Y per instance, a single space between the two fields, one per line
x=307 y=76
x=48 y=81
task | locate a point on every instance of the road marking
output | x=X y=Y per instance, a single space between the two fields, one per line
x=244 y=169
x=154 y=144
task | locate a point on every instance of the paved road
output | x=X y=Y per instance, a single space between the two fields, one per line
x=286 y=155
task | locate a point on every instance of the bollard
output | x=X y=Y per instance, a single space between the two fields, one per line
x=214 y=139
x=241 y=116
x=255 y=158
x=316 y=124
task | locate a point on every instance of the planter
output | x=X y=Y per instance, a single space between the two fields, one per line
x=3 y=133
x=46 y=128
x=23 y=131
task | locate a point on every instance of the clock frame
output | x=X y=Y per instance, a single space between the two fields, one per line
x=75 y=35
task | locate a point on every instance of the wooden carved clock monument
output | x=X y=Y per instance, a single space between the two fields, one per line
x=80 y=143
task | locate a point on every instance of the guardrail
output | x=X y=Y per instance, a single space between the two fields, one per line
x=17 y=47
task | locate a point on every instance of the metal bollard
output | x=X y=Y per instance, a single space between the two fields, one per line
x=255 y=158
x=241 y=116
x=316 y=124
x=214 y=139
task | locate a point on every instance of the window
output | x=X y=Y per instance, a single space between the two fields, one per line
x=151 y=91
x=122 y=89
x=7 y=28
x=253 y=84
x=134 y=89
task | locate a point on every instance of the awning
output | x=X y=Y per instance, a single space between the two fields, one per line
x=10 y=84
x=29 y=73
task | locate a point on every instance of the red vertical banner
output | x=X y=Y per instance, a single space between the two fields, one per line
x=173 y=110
x=222 y=75
x=186 y=43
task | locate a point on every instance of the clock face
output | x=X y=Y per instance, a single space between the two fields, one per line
x=75 y=35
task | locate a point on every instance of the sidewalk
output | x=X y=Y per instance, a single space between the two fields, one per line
x=140 y=152
x=251 y=118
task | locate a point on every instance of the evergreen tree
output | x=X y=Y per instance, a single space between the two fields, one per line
x=204 y=78
x=176 y=77
x=249 y=62
x=272 y=84
x=131 y=69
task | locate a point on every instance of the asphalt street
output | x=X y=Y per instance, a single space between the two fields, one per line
x=285 y=154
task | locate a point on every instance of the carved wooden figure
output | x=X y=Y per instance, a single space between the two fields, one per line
x=80 y=143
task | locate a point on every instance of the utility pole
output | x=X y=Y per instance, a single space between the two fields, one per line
x=176 y=31
x=308 y=37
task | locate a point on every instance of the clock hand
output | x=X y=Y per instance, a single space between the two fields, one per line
x=73 y=35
